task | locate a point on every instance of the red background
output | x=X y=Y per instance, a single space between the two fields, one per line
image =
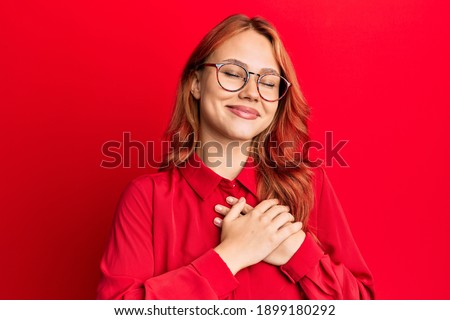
x=75 y=74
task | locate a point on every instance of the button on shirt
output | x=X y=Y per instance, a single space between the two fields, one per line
x=162 y=240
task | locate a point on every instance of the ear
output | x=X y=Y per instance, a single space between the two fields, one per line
x=195 y=85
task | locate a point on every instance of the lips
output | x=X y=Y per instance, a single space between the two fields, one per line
x=244 y=112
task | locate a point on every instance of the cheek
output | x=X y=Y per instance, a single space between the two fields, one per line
x=271 y=111
x=209 y=87
x=212 y=92
x=270 y=116
x=214 y=97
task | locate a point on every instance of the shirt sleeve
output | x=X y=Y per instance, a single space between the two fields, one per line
x=127 y=265
x=331 y=266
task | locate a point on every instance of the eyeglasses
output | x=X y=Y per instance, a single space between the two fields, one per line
x=233 y=77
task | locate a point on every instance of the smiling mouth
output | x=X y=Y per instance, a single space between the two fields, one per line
x=244 y=112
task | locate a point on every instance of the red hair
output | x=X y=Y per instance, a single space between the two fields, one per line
x=281 y=173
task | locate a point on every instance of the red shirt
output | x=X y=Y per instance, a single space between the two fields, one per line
x=161 y=244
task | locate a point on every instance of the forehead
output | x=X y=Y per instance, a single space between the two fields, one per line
x=250 y=47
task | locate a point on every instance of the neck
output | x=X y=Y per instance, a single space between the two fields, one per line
x=224 y=158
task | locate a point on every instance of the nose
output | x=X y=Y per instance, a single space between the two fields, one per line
x=250 y=90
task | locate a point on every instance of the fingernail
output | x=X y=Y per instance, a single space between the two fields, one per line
x=218 y=222
x=242 y=199
x=218 y=208
x=231 y=199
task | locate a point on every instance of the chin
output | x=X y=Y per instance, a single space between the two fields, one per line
x=243 y=135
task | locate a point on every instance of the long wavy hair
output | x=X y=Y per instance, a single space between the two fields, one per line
x=279 y=151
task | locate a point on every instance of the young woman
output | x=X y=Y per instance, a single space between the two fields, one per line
x=238 y=212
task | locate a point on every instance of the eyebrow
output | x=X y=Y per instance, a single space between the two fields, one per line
x=263 y=70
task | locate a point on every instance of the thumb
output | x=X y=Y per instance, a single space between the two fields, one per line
x=235 y=210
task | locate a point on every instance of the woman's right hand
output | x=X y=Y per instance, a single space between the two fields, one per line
x=248 y=239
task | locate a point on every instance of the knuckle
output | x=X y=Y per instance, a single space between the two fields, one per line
x=256 y=211
x=285 y=216
x=290 y=229
x=273 y=238
x=264 y=219
x=270 y=202
x=282 y=208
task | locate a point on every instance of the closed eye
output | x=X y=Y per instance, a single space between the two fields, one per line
x=268 y=84
x=229 y=74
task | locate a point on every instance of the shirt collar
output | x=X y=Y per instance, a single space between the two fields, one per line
x=203 y=180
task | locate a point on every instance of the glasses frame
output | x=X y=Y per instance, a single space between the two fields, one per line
x=220 y=65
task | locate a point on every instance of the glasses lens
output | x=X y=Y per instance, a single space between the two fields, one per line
x=272 y=87
x=232 y=77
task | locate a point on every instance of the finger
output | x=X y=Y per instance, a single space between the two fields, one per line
x=273 y=212
x=236 y=210
x=232 y=200
x=265 y=205
x=218 y=222
x=221 y=209
x=290 y=229
x=282 y=219
x=224 y=210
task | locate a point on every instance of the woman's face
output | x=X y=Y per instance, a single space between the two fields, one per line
x=235 y=116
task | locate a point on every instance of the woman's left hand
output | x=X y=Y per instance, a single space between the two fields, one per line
x=283 y=252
